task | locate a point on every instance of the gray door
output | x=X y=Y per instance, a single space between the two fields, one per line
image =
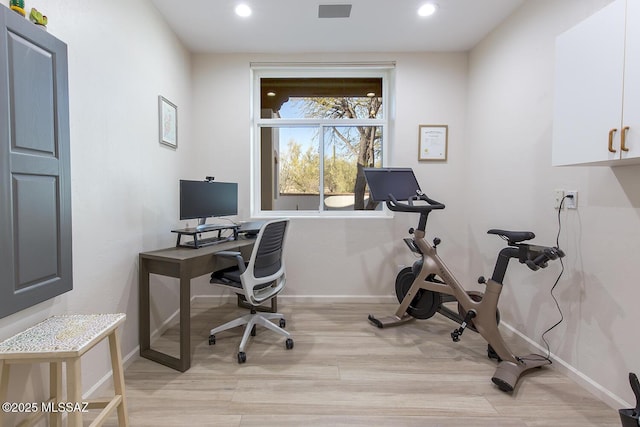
x=35 y=196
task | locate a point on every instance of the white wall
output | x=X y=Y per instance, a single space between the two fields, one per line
x=509 y=134
x=341 y=257
x=124 y=184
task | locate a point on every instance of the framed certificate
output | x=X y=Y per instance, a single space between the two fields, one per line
x=432 y=142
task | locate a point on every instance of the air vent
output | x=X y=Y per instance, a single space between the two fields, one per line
x=334 y=10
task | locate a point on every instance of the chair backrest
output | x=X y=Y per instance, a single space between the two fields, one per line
x=266 y=264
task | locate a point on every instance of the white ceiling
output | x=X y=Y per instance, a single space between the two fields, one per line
x=293 y=26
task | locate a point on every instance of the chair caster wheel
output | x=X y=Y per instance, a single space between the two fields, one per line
x=283 y=323
x=212 y=339
x=289 y=343
x=242 y=357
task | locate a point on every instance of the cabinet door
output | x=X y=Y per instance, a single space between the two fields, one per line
x=35 y=202
x=631 y=109
x=588 y=88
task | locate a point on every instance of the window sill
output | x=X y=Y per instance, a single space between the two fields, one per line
x=386 y=214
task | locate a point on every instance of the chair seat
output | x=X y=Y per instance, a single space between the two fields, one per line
x=231 y=277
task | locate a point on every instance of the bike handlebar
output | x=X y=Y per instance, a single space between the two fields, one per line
x=543 y=256
x=535 y=257
x=394 y=205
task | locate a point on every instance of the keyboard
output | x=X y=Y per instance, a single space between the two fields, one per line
x=209 y=241
x=212 y=227
x=251 y=227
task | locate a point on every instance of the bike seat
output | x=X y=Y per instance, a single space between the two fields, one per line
x=513 y=236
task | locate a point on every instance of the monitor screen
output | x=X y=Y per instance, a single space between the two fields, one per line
x=202 y=199
x=401 y=182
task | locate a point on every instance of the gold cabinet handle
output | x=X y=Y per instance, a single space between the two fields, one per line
x=623 y=136
x=611 y=132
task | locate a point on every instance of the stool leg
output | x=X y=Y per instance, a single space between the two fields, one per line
x=4 y=385
x=55 y=392
x=74 y=390
x=118 y=378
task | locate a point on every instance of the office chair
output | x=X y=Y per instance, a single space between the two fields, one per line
x=258 y=280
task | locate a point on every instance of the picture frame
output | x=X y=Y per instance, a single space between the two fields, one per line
x=167 y=122
x=433 y=141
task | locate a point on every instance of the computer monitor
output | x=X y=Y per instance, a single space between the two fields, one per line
x=203 y=199
x=401 y=182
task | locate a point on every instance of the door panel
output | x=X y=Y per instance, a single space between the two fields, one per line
x=35 y=203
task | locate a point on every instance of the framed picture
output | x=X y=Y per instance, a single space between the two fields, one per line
x=168 y=122
x=432 y=142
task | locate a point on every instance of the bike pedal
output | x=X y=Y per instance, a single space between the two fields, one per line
x=457 y=333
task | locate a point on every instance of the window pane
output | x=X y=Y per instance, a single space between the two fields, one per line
x=316 y=134
x=334 y=98
x=348 y=149
x=290 y=168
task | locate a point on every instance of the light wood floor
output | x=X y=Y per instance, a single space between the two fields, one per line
x=345 y=372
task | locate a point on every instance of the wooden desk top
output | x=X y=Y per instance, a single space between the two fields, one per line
x=60 y=336
x=181 y=254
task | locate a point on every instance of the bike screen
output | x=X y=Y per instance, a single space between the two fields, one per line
x=400 y=182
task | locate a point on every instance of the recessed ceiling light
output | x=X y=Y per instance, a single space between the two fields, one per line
x=271 y=94
x=243 y=10
x=371 y=94
x=427 y=9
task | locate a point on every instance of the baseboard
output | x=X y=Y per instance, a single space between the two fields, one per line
x=104 y=384
x=306 y=299
x=571 y=372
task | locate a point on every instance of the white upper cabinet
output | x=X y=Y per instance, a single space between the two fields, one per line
x=631 y=106
x=597 y=89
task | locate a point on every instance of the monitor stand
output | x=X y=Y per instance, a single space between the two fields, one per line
x=198 y=242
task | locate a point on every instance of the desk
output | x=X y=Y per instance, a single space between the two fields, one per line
x=183 y=264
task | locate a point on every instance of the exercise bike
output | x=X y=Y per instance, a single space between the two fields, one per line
x=428 y=284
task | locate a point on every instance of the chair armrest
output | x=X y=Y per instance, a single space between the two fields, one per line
x=238 y=257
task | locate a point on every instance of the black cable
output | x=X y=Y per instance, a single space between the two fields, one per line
x=555 y=300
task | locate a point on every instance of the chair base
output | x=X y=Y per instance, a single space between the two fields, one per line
x=251 y=320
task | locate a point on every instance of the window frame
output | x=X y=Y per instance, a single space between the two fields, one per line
x=274 y=70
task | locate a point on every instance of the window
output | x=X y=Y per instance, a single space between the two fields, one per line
x=316 y=129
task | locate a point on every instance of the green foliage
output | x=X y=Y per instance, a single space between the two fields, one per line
x=339 y=175
x=299 y=172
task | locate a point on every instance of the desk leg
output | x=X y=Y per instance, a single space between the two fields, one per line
x=143 y=308
x=185 y=322
x=74 y=390
x=118 y=377
x=4 y=385
x=184 y=362
x=55 y=392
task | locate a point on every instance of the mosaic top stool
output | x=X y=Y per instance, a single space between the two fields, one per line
x=64 y=339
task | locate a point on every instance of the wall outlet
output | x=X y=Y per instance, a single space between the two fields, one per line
x=558 y=195
x=572 y=199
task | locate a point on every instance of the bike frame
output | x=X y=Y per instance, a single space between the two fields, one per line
x=485 y=309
